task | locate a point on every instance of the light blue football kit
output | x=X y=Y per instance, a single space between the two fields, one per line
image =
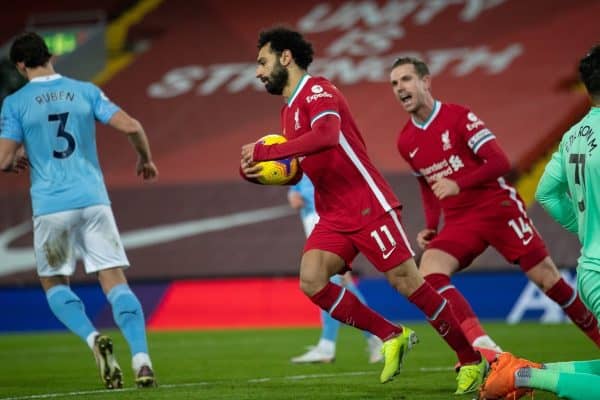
x=54 y=117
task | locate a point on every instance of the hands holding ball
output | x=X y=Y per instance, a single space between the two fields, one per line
x=275 y=172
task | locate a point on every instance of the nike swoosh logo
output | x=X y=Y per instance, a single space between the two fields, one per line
x=526 y=241
x=389 y=253
x=23 y=259
x=411 y=154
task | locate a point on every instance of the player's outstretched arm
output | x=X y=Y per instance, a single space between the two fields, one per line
x=137 y=137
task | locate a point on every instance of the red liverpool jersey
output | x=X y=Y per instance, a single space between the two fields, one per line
x=446 y=146
x=349 y=191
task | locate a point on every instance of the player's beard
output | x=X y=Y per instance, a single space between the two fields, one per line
x=277 y=80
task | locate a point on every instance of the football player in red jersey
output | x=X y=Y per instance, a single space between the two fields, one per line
x=460 y=169
x=358 y=210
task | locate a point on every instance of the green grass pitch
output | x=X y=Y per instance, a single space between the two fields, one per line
x=254 y=364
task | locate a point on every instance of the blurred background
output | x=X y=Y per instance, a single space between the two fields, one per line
x=200 y=236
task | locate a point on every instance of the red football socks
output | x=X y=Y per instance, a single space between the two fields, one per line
x=440 y=314
x=344 y=306
x=469 y=323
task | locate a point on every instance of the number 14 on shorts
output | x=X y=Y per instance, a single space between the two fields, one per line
x=522 y=228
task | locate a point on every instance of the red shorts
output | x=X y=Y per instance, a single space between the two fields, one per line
x=383 y=242
x=507 y=228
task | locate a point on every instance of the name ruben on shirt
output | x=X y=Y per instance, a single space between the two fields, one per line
x=60 y=95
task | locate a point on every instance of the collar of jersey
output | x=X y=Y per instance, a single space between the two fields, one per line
x=298 y=88
x=436 y=109
x=46 y=78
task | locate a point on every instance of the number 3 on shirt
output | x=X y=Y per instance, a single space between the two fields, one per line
x=62 y=122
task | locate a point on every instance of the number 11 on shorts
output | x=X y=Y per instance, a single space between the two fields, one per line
x=386 y=231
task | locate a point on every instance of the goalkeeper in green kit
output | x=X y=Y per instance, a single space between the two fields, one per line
x=570 y=192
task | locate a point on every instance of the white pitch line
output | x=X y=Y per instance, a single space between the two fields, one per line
x=435 y=369
x=180 y=385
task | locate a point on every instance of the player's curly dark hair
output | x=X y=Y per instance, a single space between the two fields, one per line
x=282 y=38
x=589 y=71
x=31 y=49
x=420 y=66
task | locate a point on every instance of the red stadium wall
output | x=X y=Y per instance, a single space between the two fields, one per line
x=201 y=100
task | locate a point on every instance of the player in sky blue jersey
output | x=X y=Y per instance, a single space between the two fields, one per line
x=52 y=118
x=301 y=197
x=570 y=192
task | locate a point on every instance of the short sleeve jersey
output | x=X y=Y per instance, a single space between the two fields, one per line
x=349 y=191
x=446 y=146
x=54 y=117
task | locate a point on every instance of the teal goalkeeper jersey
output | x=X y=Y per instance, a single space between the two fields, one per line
x=55 y=118
x=570 y=187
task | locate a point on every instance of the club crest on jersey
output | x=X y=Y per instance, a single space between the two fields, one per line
x=446 y=145
x=297 y=119
x=316 y=89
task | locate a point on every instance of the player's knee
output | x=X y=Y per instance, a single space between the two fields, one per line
x=435 y=261
x=404 y=282
x=311 y=287
x=544 y=274
x=399 y=285
x=313 y=278
x=428 y=269
x=109 y=278
x=547 y=282
x=432 y=269
x=49 y=282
